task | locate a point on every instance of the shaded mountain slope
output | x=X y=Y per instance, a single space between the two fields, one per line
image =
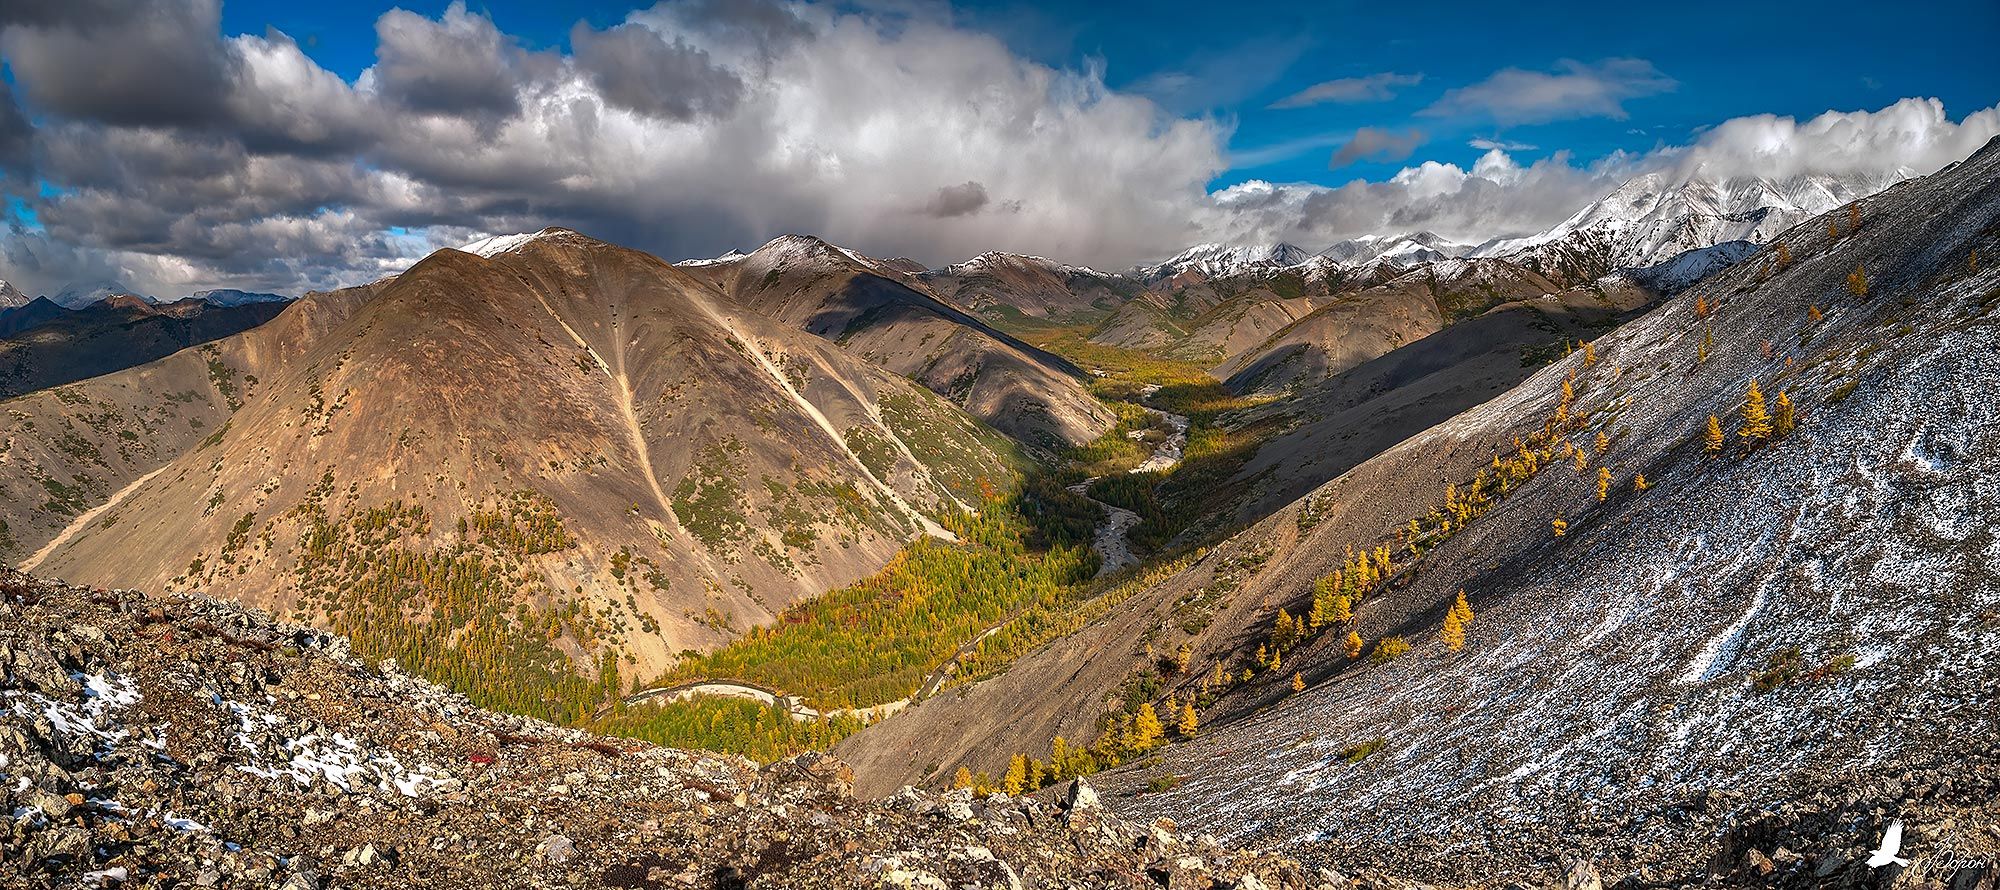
x=567 y=441
x=46 y=349
x=1377 y=320
x=1618 y=668
x=1037 y=398
x=996 y=284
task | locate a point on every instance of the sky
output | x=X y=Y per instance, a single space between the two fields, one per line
x=177 y=145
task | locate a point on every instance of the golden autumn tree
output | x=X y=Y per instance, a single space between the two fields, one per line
x=1639 y=482
x=1853 y=217
x=1784 y=257
x=1701 y=305
x=962 y=779
x=1589 y=354
x=1190 y=723
x=1603 y=483
x=1711 y=440
x=1559 y=527
x=1015 y=779
x=1146 y=728
x=1298 y=682
x=1785 y=417
x=1857 y=281
x=1453 y=632
x=1353 y=644
x=1813 y=314
x=1603 y=442
x=1461 y=608
x=1756 y=420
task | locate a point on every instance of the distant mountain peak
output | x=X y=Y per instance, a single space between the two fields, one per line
x=1216 y=260
x=81 y=294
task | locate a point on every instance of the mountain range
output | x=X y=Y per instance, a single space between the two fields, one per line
x=1643 y=550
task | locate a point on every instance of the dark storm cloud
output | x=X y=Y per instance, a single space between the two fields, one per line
x=635 y=68
x=135 y=63
x=762 y=23
x=956 y=200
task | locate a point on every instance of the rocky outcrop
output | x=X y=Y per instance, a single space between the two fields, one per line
x=187 y=742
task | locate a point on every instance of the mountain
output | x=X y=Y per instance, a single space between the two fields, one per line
x=997 y=284
x=180 y=741
x=880 y=314
x=233 y=297
x=1218 y=260
x=1405 y=250
x=43 y=344
x=565 y=452
x=1652 y=218
x=81 y=294
x=11 y=298
x=1777 y=641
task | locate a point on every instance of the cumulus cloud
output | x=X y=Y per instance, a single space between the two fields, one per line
x=865 y=127
x=1372 y=88
x=1372 y=144
x=1575 y=89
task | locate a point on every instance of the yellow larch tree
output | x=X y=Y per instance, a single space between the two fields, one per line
x=1857 y=282
x=1559 y=527
x=1190 y=723
x=1453 y=633
x=1353 y=644
x=1603 y=483
x=1785 y=417
x=1015 y=780
x=1756 y=420
x=1298 y=682
x=1639 y=482
x=1711 y=440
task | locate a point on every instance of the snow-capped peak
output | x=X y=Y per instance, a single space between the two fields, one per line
x=493 y=245
x=1219 y=260
x=11 y=297
x=994 y=259
x=729 y=256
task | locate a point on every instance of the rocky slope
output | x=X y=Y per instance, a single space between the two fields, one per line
x=185 y=742
x=566 y=432
x=66 y=450
x=1784 y=646
x=40 y=348
x=873 y=311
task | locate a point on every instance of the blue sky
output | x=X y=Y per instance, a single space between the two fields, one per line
x=178 y=145
x=1235 y=60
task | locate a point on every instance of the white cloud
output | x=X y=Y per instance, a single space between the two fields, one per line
x=1575 y=89
x=1372 y=88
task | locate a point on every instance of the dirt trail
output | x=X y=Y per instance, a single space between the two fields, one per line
x=35 y=559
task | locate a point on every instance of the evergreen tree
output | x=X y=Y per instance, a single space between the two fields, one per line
x=1711 y=441
x=1784 y=256
x=1453 y=633
x=1785 y=417
x=1559 y=527
x=1639 y=482
x=962 y=779
x=1589 y=354
x=1756 y=421
x=1813 y=314
x=1857 y=282
x=1353 y=644
x=1146 y=728
x=1462 y=609
x=1603 y=442
x=1700 y=305
x=1189 y=723
x=1015 y=780
x=1603 y=483
x=1286 y=632
x=1298 y=683
x=1853 y=217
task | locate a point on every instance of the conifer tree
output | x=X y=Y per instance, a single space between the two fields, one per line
x=1833 y=227
x=1711 y=441
x=1784 y=256
x=1589 y=354
x=1603 y=483
x=1462 y=609
x=1756 y=420
x=1277 y=660
x=1603 y=442
x=1853 y=217
x=1582 y=461
x=1353 y=644
x=1298 y=683
x=1559 y=527
x=1190 y=723
x=1146 y=728
x=963 y=779
x=1639 y=482
x=1857 y=282
x=1016 y=778
x=1784 y=418
x=1263 y=656
x=1453 y=633
x=1813 y=314
x=1701 y=305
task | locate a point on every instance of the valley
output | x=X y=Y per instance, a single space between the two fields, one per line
x=1645 y=549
